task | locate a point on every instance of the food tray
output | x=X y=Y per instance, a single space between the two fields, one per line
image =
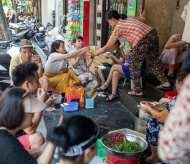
x=70 y=106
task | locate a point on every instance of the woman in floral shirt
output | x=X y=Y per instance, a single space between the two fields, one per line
x=174 y=141
x=156 y=122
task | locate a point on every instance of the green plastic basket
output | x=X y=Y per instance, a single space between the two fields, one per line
x=101 y=150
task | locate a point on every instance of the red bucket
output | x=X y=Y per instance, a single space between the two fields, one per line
x=171 y=94
x=120 y=160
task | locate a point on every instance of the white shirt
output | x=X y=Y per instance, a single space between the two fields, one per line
x=186 y=17
x=54 y=67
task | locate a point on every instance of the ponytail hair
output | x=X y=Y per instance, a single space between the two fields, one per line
x=114 y=14
x=59 y=137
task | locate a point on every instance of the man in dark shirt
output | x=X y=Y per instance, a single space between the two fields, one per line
x=26 y=76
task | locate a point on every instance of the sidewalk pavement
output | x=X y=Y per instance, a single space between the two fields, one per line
x=111 y=115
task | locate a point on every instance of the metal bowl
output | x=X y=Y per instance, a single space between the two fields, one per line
x=129 y=137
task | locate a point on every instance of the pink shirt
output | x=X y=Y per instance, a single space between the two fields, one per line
x=131 y=30
x=174 y=141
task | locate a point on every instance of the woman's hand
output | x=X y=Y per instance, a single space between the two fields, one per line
x=121 y=46
x=86 y=49
x=147 y=109
x=92 y=55
x=111 y=56
x=164 y=100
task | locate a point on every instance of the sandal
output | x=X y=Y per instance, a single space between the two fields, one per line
x=133 y=93
x=164 y=88
x=50 y=109
x=102 y=90
x=171 y=76
x=114 y=97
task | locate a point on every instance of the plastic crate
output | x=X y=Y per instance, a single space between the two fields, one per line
x=70 y=106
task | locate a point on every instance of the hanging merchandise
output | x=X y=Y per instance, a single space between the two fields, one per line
x=118 y=5
x=73 y=20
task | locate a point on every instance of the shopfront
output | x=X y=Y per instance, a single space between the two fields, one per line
x=129 y=7
x=87 y=18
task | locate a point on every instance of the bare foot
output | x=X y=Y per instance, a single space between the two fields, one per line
x=152 y=159
x=166 y=84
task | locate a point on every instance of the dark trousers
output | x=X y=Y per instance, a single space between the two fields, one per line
x=147 y=48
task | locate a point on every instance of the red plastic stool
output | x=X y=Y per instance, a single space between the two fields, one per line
x=50 y=89
x=69 y=98
x=176 y=66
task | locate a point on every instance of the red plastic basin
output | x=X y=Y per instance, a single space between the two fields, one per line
x=120 y=160
x=171 y=94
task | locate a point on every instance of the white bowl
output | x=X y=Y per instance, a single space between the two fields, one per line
x=106 y=54
x=126 y=51
x=142 y=114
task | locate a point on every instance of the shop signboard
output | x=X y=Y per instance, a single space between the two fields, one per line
x=84 y=20
x=81 y=16
x=131 y=8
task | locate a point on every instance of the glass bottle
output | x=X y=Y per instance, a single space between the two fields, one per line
x=81 y=101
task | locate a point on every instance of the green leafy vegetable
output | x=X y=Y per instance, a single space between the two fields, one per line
x=126 y=146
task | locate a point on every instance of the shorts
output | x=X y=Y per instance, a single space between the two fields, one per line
x=24 y=141
x=125 y=68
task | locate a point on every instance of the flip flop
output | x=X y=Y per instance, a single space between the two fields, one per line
x=133 y=93
x=164 y=88
x=50 y=109
x=171 y=76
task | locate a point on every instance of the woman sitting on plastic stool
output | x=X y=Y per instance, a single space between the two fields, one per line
x=156 y=122
x=173 y=53
x=119 y=71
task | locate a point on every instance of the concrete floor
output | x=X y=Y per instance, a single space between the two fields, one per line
x=110 y=115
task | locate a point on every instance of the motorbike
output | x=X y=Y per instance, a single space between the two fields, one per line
x=31 y=33
x=4 y=46
x=4 y=71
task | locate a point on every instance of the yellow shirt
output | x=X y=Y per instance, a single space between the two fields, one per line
x=14 y=62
